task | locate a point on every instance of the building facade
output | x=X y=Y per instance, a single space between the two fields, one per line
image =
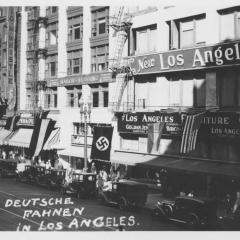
x=136 y=66
x=183 y=60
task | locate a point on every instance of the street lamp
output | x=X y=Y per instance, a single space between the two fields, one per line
x=85 y=112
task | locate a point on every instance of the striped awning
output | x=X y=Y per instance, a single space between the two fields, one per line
x=22 y=138
x=3 y=134
x=53 y=140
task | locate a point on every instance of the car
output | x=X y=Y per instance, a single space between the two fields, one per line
x=230 y=222
x=126 y=194
x=30 y=174
x=193 y=212
x=82 y=185
x=8 y=167
x=51 y=178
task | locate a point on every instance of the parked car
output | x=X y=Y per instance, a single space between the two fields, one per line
x=82 y=185
x=8 y=167
x=31 y=174
x=51 y=178
x=194 y=212
x=126 y=194
x=231 y=222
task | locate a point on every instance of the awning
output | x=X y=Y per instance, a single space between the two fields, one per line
x=184 y=164
x=3 y=134
x=75 y=151
x=53 y=141
x=22 y=138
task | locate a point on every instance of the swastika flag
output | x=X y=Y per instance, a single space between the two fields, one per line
x=101 y=144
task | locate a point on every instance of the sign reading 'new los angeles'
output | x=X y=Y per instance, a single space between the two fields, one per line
x=194 y=58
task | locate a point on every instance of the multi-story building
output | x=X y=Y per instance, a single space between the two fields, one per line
x=183 y=59
x=179 y=60
x=66 y=53
x=9 y=55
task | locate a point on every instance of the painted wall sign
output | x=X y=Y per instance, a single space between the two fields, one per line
x=214 y=124
x=81 y=79
x=185 y=59
x=138 y=122
x=24 y=121
x=3 y=122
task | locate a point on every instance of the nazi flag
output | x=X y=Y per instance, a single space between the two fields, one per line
x=101 y=144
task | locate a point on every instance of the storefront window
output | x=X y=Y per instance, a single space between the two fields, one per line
x=228 y=88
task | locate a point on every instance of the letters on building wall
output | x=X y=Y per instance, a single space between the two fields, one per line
x=194 y=58
x=214 y=124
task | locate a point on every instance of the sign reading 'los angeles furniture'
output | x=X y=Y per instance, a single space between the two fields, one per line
x=194 y=58
x=214 y=124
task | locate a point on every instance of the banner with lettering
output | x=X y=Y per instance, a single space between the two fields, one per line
x=186 y=59
x=214 y=124
x=138 y=122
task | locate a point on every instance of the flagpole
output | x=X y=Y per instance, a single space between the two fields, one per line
x=85 y=110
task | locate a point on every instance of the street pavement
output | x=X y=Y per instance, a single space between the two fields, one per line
x=33 y=208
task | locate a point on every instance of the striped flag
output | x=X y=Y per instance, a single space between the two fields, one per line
x=41 y=132
x=190 y=132
x=154 y=136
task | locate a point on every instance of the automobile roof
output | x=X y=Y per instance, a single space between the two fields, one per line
x=196 y=199
x=129 y=182
x=82 y=173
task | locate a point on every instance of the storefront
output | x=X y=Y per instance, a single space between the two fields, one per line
x=177 y=82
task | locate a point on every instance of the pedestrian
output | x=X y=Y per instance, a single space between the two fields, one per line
x=103 y=174
x=93 y=168
x=228 y=204
x=236 y=209
x=48 y=164
x=4 y=154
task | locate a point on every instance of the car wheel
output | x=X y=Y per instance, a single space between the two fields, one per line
x=193 y=222
x=168 y=211
x=123 y=203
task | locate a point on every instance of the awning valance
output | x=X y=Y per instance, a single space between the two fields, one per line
x=178 y=163
x=3 y=134
x=22 y=138
x=53 y=140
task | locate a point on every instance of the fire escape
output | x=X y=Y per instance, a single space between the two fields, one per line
x=121 y=24
x=35 y=50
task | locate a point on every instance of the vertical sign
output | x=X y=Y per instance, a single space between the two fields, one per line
x=11 y=93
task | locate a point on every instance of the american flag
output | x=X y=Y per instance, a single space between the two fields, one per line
x=154 y=136
x=190 y=132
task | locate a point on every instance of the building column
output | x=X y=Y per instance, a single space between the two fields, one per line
x=211 y=90
x=86 y=54
x=62 y=40
x=23 y=60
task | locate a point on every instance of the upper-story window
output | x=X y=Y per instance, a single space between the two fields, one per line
x=52 y=34
x=99 y=61
x=187 y=32
x=51 y=66
x=229 y=24
x=52 y=10
x=100 y=22
x=50 y=98
x=146 y=39
x=75 y=28
x=74 y=95
x=99 y=95
x=74 y=62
